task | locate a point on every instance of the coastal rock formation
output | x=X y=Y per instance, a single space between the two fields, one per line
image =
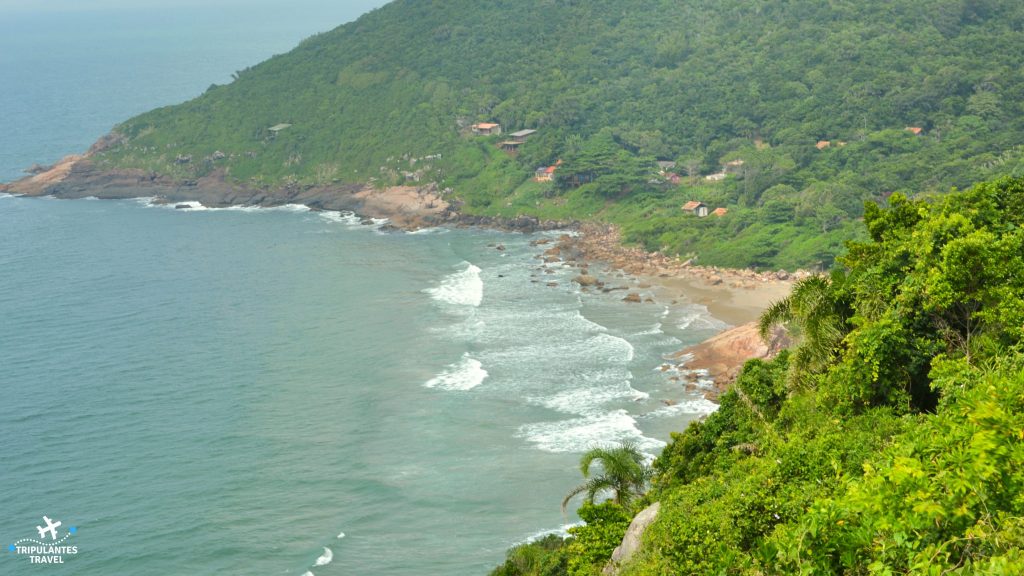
x=631 y=541
x=601 y=242
x=723 y=355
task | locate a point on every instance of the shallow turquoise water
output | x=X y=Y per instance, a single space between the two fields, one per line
x=225 y=392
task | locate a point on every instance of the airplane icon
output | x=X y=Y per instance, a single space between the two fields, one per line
x=51 y=527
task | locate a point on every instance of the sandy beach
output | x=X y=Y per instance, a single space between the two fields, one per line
x=736 y=297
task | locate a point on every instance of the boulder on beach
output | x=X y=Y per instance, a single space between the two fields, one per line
x=586 y=280
x=632 y=297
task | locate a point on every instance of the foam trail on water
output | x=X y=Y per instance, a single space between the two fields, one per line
x=701 y=407
x=582 y=434
x=562 y=531
x=308 y=573
x=326 y=558
x=424 y=231
x=465 y=374
x=341 y=535
x=465 y=288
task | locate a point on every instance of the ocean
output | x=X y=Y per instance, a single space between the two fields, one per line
x=281 y=391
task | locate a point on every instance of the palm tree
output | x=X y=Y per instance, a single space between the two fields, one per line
x=625 y=474
x=815 y=319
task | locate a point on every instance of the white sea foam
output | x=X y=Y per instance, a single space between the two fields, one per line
x=698 y=318
x=654 y=330
x=592 y=399
x=347 y=218
x=427 y=231
x=308 y=573
x=465 y=288
x=562 y=531
x=700 y=407
x=341 y=535
x=325 y=558
x=90 y=198
x=582 y=434
x=351 y=219
x=465 y=374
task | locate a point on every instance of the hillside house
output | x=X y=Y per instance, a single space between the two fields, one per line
x=522 y=135
x=915 y=130
x=696 y=208
x=720 y=212
x=546 y=174
x=486 y=129
x=718 y=177
x=510 y=146
x=674 y=179
x=822 y=144
x=665 y=165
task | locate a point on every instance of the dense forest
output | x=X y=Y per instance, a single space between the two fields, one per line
x=889 y=440
x=805 y=109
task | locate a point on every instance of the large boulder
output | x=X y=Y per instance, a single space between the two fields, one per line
x=585 y=280
x=631 y=541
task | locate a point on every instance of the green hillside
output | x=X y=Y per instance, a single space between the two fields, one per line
x=612 y=86
x=890 y=440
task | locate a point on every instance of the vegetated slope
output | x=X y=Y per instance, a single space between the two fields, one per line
x=613 y=85
x=890 y=440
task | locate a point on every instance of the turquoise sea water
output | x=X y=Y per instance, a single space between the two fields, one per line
x=229 y=391
x=225 y=392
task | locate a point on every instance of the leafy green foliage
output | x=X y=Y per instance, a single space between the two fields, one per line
x=593 y=543
x=545 y=557
x=612 y=85
x=901 y=451
x=624 y=473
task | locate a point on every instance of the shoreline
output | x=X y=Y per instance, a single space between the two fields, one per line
x=734 y=296
x=406 y=207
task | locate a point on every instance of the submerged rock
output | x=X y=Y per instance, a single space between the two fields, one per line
x=586 y=280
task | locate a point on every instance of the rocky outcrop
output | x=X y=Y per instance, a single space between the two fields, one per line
x=631 y=541
x=600 y=242
x=724 y=355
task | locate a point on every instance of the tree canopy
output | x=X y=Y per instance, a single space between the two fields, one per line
x=827 y=104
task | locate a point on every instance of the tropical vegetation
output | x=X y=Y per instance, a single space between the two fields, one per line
x=804 y=108
x=888 y=440
x=624 y=473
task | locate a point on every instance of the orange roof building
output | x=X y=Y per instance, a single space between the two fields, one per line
x=720 y=212
x=697 y=208
x=915 y=130
x=822 y=144
x=486 y=129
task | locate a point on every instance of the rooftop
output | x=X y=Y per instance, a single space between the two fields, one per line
x=522 y=133
x=279 y=127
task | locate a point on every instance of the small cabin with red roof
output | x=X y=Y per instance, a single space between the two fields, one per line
x=696 y=208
